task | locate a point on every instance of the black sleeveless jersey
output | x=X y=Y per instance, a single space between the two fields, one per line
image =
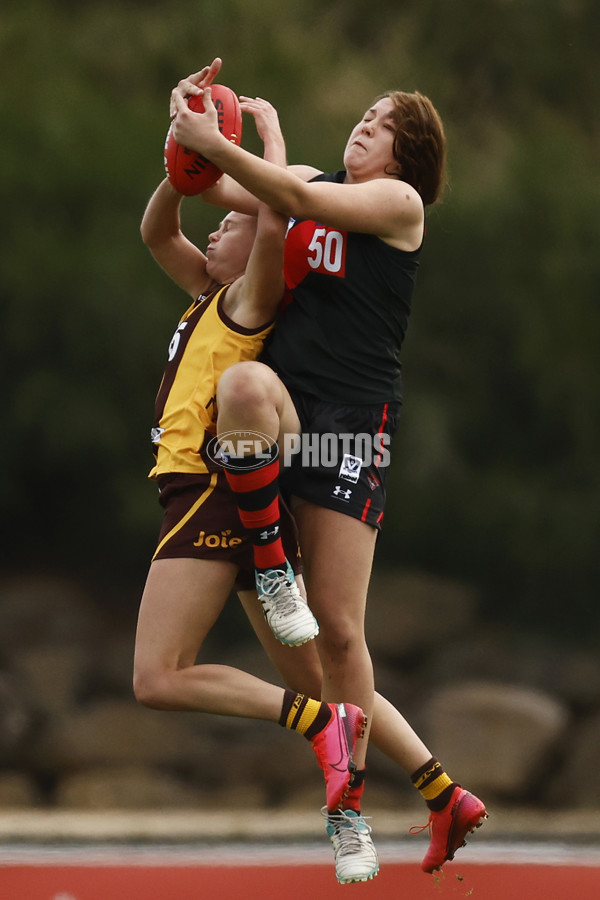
x=340 y=338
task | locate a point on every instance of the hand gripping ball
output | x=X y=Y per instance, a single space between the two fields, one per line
x=189 y=172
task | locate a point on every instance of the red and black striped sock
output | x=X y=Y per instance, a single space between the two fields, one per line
x=255 y=482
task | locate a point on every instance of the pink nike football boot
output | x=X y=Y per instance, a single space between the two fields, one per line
x=334 y=747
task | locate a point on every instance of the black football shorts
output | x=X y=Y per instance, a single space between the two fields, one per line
x=341 y=458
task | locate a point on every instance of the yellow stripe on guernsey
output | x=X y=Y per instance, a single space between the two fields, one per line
x=205 y=344
x=201 y=499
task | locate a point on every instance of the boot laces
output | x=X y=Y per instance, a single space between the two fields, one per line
x=417 y=829
x=275 y=585
x=348 y=830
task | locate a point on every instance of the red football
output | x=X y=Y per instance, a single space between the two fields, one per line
x=189 y=172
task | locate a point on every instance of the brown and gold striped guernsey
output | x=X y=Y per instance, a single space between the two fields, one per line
x=205 y=343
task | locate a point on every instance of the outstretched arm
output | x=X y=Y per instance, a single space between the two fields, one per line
x=383 y=206
x=161 y=232
x=161 y=224
x=226 y=193
x=254 y=298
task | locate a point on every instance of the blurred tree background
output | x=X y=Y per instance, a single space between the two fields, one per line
x=496 y=478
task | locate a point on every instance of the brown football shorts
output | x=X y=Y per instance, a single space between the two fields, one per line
x=201 y=521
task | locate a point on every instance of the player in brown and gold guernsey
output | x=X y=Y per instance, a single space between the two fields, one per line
x=236 y=288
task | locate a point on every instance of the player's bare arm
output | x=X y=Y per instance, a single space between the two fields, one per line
x=161 y=232
x=255 y=297
x=383 y=206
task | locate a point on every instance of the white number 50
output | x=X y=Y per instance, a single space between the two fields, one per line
x=328 y=248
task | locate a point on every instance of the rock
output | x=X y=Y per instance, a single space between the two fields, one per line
x=491 y=653
x=525 y=730
x=577 y=783
x=17 y=791
x=127 y=787
x=264 y=755
x=41 y=610
x=55 y=675
x=18 y=717
x=409 y=611
x=494 y=737
x=118 y=732
x=245 y=795
x=575 y=676
x=111 y=665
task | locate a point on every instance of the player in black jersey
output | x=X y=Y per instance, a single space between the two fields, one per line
x=236 y=287
x=329 y=389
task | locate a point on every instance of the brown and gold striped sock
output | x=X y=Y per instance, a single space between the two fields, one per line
x=434 y=785
x=301 y=713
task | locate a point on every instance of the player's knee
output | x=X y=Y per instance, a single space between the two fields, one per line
x=149 y=689
x=244 y=386
x=339 y=641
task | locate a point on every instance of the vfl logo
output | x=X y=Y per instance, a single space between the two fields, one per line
x=341 y=493
x=350 y=468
